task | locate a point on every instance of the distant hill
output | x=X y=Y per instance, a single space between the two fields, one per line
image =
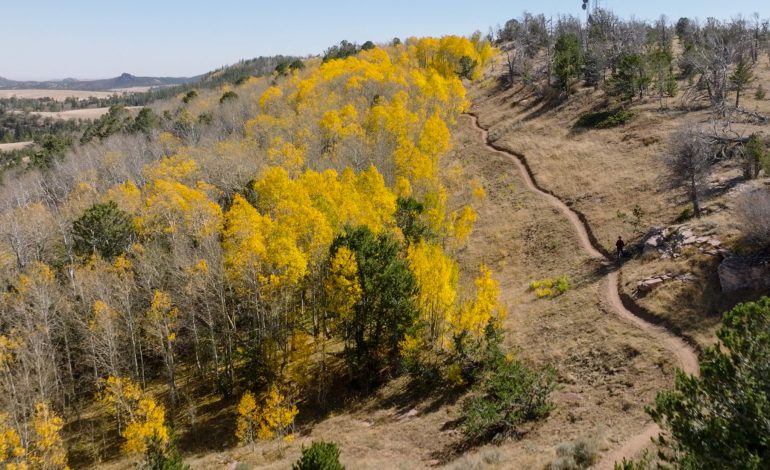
x=125 y=80
x=258 y=66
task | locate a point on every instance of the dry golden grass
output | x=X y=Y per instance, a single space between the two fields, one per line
x=58 y=95
x=602 y=172
x=90 y=113
x=14 y=146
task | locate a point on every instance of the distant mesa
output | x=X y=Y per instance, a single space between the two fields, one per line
x=125 y=80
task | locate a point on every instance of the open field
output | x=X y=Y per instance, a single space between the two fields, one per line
x=14 y=146
x=91 y=113
x=58 y=95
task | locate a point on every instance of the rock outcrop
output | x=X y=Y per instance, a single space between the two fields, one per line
x=744 y=273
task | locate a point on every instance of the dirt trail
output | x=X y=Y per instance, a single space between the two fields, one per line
x=686 y=355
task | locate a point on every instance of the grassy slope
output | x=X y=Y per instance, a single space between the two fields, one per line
x=601 y=172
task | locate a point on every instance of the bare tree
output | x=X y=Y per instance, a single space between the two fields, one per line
x=689 y=164
x=753 y=211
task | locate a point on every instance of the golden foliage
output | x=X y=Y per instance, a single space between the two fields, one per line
x=145 y=419
x=343 y=288
x=474 y=316
x=436 y=276
x=273 y=418
x=48 y=450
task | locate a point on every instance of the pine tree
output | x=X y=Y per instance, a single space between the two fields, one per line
x=741 y=77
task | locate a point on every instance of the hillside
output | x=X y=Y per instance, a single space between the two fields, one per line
x=546 y=248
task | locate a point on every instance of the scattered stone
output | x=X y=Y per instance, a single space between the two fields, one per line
x=409 y=414
x=689 y=240
x=687 y=277
x=714 y=242
x=702 y=239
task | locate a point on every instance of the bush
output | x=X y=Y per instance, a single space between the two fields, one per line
x=575 y=455
x=191 y=95
x=228 y=96
x=549 y=288
x=605 y=119
x=319 y=456
x=686 y=214
x=760 y=93
x=753 y=211
x=508 y=396
x=103 y=229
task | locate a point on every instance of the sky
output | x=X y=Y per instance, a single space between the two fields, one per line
x=88 y=39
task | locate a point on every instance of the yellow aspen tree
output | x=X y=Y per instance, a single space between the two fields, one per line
x=475 y=315
x=173 y=209
x=12 y=451
x=246 y=424
x=48 y=451
x=127 y=196
x=461 y=224
x=286 y=155
x=105 y=333
x=272 y=418
x=141 y=420
x=342 y=286
x=161 y=320
x=437 y=277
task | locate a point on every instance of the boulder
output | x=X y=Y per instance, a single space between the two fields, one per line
x=744 y=273
x=648 y=285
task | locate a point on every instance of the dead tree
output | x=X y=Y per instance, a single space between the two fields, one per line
x=689 y=164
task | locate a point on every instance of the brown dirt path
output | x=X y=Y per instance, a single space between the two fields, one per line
x=685 y=354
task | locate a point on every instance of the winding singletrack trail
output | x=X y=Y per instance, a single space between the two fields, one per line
x=685 y=354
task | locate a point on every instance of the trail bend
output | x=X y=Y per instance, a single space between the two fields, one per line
x=685 y=354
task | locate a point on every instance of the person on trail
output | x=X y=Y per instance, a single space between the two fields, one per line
x=620 y=245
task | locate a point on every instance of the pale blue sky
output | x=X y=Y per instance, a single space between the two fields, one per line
x=43 y=39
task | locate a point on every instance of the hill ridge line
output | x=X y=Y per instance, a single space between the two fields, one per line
x=683 y=347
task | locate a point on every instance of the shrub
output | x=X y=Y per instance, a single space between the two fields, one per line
x=508 y=396
x=549 y=288
x=686 y=214
x=641 y=464
x=191 y=95
x=228 y=96
x=102 y=229
x=319 y=456
x=575 y=455
x=760 y=93
x=605 y=119
x=753 y=211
